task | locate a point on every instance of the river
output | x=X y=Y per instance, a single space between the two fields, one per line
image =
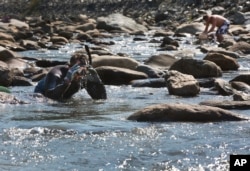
x=82 y=134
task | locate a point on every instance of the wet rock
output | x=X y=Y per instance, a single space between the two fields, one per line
x=223 y=87
x=7 y=55
x=21 y=81
x=238 y=18
x=181 y=84
x=5 y=36
x=225 y=52
x=7 y=98
x=116 y=61
x=241 y=96
x=59 y=40
x=226 y=104
x=118 y=76
x=245 y=78
x=197 y=68
x=240 y=47
x=151 y=82
x=169 y=41
x=240 y=86
x=29 y=45
x=86 y=27
x=161 y=61
x=48 y=63
x=11 y=45
x=19 y=24
x=223 y=61
x=5 y=76
x=183 y=113
x=191 y=28
x=119 y=22
x=150 y=71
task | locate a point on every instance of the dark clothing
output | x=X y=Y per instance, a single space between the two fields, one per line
x=54 y=86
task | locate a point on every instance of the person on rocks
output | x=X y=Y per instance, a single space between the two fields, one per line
x=216 y=21
x=63 y=81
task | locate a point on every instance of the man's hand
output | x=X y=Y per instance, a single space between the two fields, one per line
x=72 y=73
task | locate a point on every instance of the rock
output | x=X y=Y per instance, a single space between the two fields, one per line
x=197 y=68
x=245 y=78
x=240 y=86
x=118 y=22
x=223 y=61
x=20 y=81
x=181 y=84
x=242 y=47
x=241 y=96
x=223 y=87
x=86 y=27
x=5 y=36
x=150 y=71
x=161 y=61
x=183 y=113
x=169 y=41
x=238 y=18
x=225 y=52
x=151 y=82
x=226 y=104
x=47 y=63
x=12 y=59
x=19 y=24
x=7 y=98
x=59 y=40
x=5 y=76
x=11 y=45
x=192 y=28
x=118 y=76
x=115 y=61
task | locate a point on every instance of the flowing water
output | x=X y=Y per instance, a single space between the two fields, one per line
x=82 y=134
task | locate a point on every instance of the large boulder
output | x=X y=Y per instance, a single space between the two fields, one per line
x=245 y=78
x=6 y=76
x=151 y=82
x=181 y=84
x=183 y=113
x=161 y=61
x=242 y=47
x=227 y=104
x=116 y=61
x=118 y=76
x=192 y=28
x=5 y=36
x=12 y=59
x=119 y=22
x=223 y=61
x=197 y=68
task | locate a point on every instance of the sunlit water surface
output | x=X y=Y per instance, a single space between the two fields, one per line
x=82 y=134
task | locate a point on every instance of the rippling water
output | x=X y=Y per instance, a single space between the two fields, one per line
x=82 y=134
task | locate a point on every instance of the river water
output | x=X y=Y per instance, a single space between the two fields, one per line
x=82 y=134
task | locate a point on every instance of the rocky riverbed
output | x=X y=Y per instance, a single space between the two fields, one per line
x=183 y=76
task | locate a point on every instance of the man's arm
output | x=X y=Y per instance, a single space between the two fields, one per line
x=213 y=22
x=54 y=87
x=206 y=28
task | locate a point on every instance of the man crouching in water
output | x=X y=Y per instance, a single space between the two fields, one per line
x=216 y=21
x=63 y=81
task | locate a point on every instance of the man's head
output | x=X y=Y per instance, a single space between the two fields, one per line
x=79 y=57
x=205 y=17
